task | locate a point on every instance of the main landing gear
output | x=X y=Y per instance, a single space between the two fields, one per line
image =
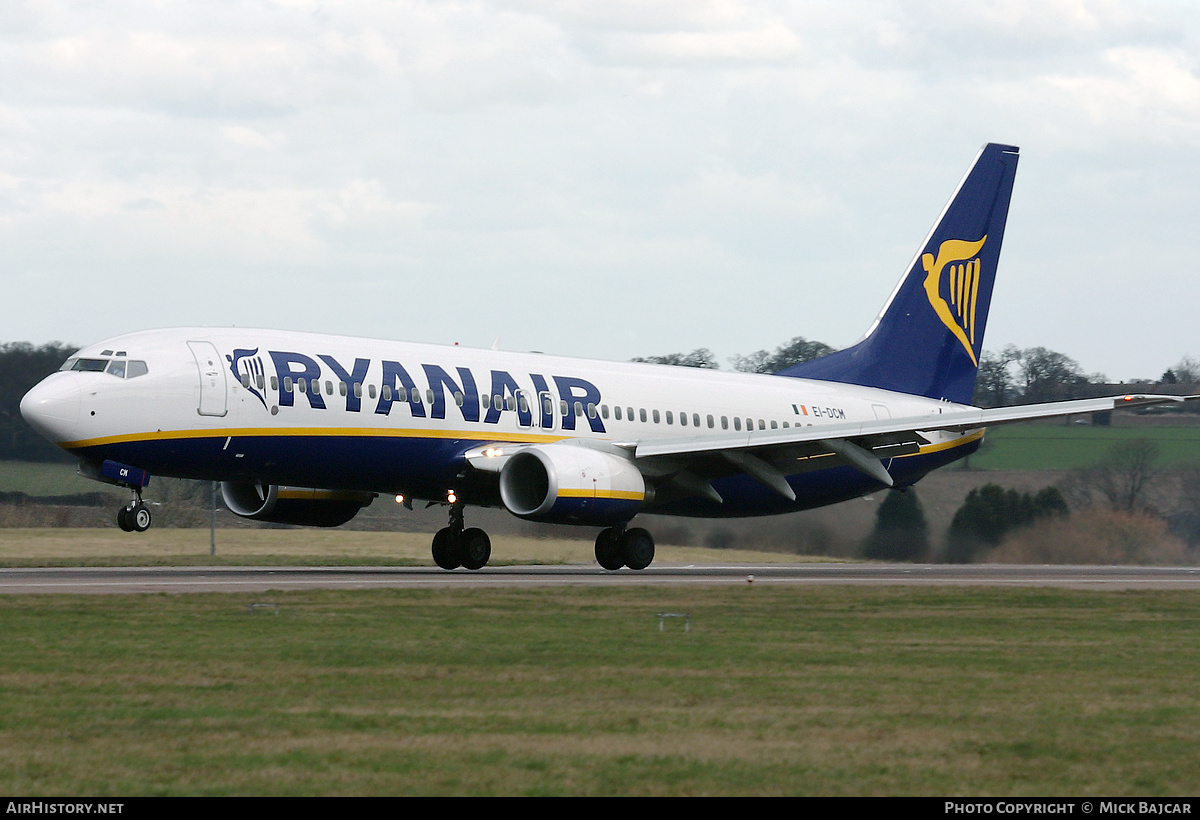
x=135 y=516
x=455 y=547
x=618 y=547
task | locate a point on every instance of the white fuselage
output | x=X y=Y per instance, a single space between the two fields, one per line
x=389 y=417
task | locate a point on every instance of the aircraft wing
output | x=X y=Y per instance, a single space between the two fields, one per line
x=688 y=464
x=769 y=455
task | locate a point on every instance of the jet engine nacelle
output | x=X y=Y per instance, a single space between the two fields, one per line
x=568 y=484
x=292 y=505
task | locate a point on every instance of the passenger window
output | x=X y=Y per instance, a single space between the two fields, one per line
x=358 y=390
x=670 y=418
x=617 y=412
x=459 y=399
x=696 y=420
x=387 y=392
x=487 y=401
x=287 y=384
x=371 y=391
x=683 y=419
x=711 y=423
x=737 y=423
x=329 y=389
x=274 y=382
x=629 y=413
x=724 y=422
x=642 y=413
x=342 y=388
x=604 y=411
x=579 y=409
x=416 y=396
x=302 y=385
x=591 y=410
x=428 y=396
x=762 y=425
x=522 y=404
x=562 y=407
x=655 y=415
x=245 y=380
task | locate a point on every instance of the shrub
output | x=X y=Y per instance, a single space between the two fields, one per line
x=900 y=533
x=1097 y=535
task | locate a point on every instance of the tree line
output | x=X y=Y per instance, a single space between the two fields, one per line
x=1009 y=376
x=22 y=365
x=1125 y=508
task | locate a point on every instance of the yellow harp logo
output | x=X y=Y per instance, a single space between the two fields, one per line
x=957 y=314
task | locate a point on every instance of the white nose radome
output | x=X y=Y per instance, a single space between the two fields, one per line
x=52 y=407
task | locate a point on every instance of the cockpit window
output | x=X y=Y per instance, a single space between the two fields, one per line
x=120 y=368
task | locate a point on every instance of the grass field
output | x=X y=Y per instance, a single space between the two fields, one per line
x=41 y=479
x=772 y=691
x=1062 y=447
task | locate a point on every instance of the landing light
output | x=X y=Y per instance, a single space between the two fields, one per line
x=451 y=497
x=399 y=499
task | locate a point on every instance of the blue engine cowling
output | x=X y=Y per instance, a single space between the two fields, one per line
x=293 y=505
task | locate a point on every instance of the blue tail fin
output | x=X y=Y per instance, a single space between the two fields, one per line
x=928 y=338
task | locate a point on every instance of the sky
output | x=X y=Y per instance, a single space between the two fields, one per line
x=599 y=179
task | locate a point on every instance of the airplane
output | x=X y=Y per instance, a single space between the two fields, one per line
x=308 y=429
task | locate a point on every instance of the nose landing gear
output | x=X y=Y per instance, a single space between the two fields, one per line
x=135 y=516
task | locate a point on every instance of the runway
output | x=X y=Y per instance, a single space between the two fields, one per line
x=127 y=580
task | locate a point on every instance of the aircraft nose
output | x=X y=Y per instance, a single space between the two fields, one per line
x=52 y=407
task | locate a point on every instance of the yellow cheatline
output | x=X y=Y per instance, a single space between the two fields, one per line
x=625 y=495
x=320 y=432
x=320 y=495
x=946 y=445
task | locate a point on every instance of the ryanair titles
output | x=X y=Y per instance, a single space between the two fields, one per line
x=389 y=383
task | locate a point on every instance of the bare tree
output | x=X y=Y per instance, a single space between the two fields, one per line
x=1124 y=479
x=797 y=351
x=700 y=357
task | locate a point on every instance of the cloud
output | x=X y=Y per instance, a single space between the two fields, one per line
x=716 y=174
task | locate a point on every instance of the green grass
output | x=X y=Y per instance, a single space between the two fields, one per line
x=1063 y=447
x=46 y=479
x=774 y=690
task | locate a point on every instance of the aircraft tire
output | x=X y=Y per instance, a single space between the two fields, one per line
x=637 y=546
x=446 y=551
x=609 y=554
x=475 y=548
x=123 y=520
x=140 y=518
